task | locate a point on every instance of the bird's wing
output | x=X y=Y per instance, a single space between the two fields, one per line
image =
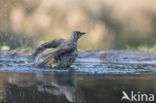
x=56 y=52
x=51 y=44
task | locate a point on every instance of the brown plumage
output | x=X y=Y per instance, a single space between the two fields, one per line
x=63 y=54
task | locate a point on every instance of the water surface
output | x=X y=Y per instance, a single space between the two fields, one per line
x=87 y=81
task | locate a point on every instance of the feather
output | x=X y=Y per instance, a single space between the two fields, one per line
x=51 y=44
x=55 y=53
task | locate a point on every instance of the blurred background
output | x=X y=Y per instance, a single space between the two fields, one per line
x=109 y=24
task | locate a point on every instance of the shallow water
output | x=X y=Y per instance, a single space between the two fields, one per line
x=87 y=81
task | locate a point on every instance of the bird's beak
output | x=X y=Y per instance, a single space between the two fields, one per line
x=83 y=33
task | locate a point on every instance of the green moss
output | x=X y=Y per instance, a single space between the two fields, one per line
x=26 y=48
x=142 y=48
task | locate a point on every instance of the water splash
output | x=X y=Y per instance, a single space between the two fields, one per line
x=23 y=64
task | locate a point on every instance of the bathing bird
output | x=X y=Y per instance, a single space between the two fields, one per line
x=62 y=55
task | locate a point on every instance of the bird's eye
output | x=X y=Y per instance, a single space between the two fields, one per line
x=79 y=34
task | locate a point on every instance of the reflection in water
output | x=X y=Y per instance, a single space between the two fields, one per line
x=88 y=82
x=38 y=87
x=71 y=87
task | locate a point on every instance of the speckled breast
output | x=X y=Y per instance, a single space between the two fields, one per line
x=64 y=60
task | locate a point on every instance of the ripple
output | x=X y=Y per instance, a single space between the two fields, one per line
x=23 y=64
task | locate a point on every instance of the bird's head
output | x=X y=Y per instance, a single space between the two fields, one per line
x=75 y=35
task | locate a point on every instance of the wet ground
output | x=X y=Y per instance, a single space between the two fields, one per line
x=96 y=77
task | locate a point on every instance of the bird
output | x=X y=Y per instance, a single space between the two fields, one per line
x=62 y=55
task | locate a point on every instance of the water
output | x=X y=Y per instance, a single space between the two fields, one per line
x=87 y=81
